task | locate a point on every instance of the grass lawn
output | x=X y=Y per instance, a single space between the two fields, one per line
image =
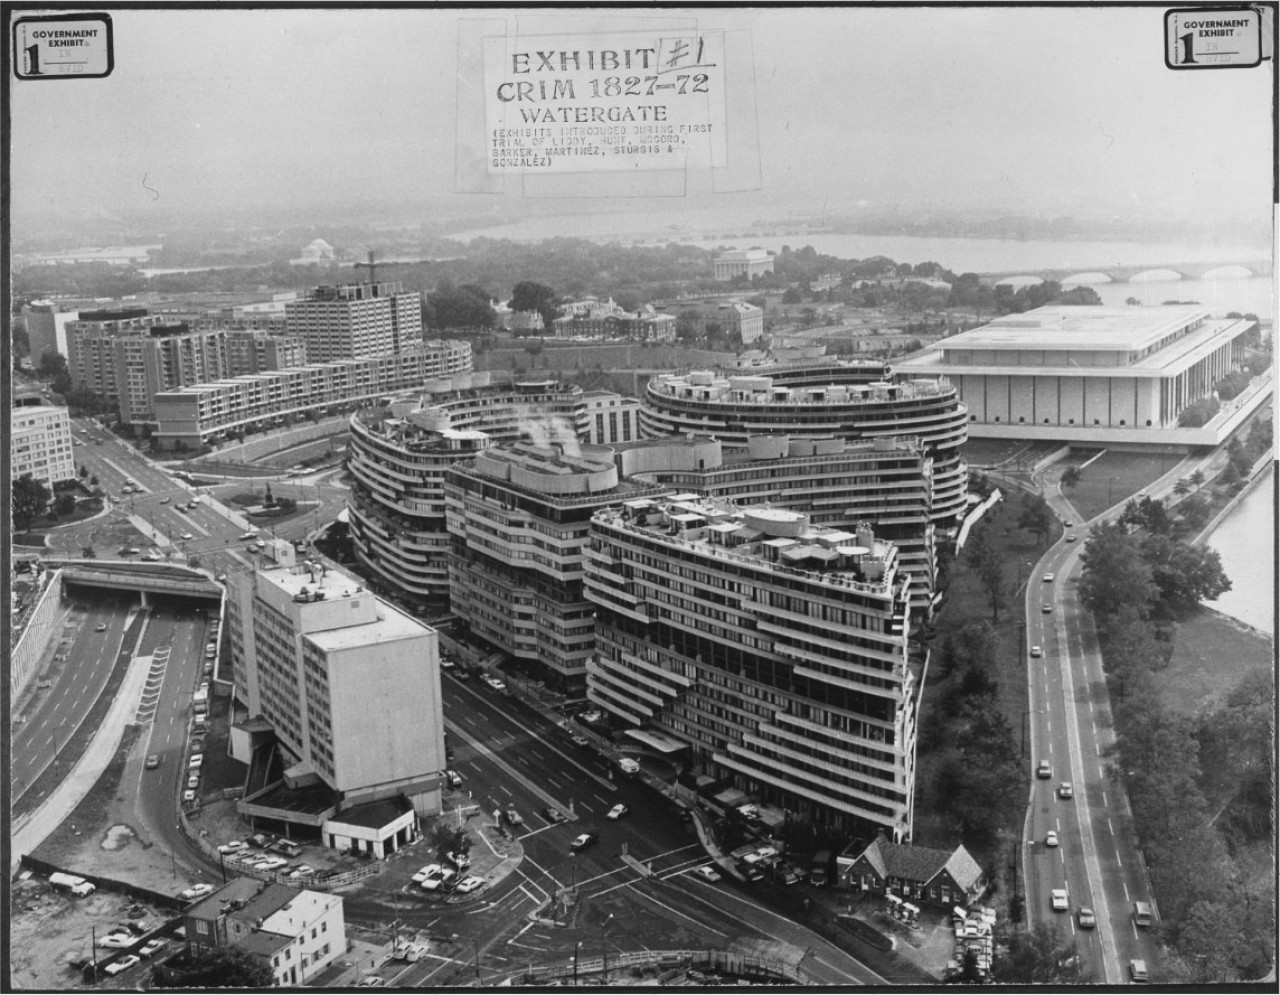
x=1113 y=477
x=1212 y=653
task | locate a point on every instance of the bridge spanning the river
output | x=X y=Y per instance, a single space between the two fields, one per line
x=1118 y=273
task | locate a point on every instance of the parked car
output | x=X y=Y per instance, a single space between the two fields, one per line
x=469 y=884
x=514 y=817
x=152 y=947
x=233 y=846
x=429 y=870
x=432 y=879
x=193 y=781
x=123 y=964
x=197 y=759
x=707 y=873
x=188 y=796
x=459 y=860
x=187 y=535
x=196 y=891
x=618 y=811
x=372 y=981
x=302 y=871
x=1058 y=898
x=583 y=841
x=117 y=941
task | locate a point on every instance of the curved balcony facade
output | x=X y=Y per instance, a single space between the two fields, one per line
x=398 y=456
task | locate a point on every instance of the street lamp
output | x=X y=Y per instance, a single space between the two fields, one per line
x=577 y=948
x=604 y=951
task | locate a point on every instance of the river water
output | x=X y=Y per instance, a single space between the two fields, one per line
x=1244 y=293
x=1246 y=541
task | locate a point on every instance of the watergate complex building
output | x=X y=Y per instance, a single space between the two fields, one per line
x=772 y=650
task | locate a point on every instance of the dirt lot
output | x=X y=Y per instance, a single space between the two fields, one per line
x=49 y=929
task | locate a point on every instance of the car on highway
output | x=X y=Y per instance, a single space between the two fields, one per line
x=583 y=841
x=454 y=778
x=595 y=715
x=196 y=891
x=446 y=663
x=1065 y=790
x=187 y=535
x=1036 y=652
x=707 y=873
x=1046 y=608
x=469 y=884
x=233 y=846
x=580 y=740
x=118 y=941
x=494 y=683
x=164 y=500
x=152 y=947
x=1048 y=578
x=1044 y=770
x=629 y=766
x=153 y=761
x=123 y=964
x=1086 y=918
x=514 y=817
x=248 y=537
x=151 y=556
x=100 y=627
x=618 y=811
x=554 y=815
x=1058 y=899
x=1071 y=537
x=1051 y=838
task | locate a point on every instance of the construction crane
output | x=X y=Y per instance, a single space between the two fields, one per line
x=372 y=266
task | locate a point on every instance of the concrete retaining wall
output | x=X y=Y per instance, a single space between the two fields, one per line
x=42 y=624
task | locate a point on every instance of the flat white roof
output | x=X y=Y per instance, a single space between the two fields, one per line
x=1123 y=329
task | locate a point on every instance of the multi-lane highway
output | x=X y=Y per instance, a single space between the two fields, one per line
x=1097 y=860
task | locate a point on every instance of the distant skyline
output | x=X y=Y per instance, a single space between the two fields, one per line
x=1014 y=110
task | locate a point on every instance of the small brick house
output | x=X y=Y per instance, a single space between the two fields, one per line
x=919 y=873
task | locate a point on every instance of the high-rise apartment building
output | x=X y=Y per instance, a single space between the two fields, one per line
x=519 y=518
x=46 y=323
x=837 y=483
x=40 y=444
x=129 y=357
x=349 y=685
x=257 y=350
x=774 y=650
x=398 y=456
x=356 y=321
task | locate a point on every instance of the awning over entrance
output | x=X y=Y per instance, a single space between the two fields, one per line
x=659 y=741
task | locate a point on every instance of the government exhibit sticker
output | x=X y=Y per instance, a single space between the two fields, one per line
x=590 y=102
x=63 y=46
x=1213 y=38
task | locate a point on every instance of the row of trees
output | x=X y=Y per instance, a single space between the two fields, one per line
x=1133 y=582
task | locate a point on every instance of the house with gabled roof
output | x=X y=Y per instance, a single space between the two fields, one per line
x=919 y=873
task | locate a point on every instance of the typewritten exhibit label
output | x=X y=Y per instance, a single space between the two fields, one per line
x=619 y=101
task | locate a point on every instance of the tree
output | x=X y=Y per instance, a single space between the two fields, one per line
x=528 y=295
x=84 y=471
x=52 y=363
x=1194 y=511
x=29 y=499
x=1184 y=575
x=218 y=967
x=791 y=296
x=93 y=480
x=462 y=307
x=1039 y=956
x=65 y=504
x=1036 y=516
x=1071 y=476
x=1115 y=573
x=984 y=559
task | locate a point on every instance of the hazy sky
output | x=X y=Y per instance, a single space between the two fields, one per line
x=1016 y=108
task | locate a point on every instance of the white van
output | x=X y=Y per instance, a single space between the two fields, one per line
x=73 y=883
x=1142 y=914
